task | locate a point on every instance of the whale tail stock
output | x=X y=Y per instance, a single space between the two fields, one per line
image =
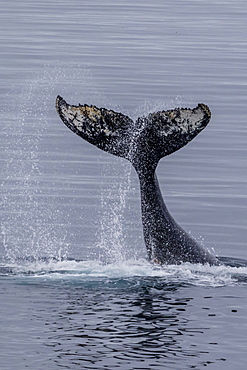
x=145 y=141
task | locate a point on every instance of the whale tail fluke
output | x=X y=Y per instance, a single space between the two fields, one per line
x=149 y=138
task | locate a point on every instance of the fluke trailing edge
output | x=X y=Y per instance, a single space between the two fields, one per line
x=144 y=143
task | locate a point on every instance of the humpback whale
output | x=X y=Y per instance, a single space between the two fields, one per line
x=144 y=142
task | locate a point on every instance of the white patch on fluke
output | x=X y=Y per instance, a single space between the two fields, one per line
x=86 y=118
x=184 y=121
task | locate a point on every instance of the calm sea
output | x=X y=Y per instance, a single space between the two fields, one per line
x=76 y=291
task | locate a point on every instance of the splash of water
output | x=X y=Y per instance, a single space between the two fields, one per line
x=113 y=203
x=150 y=106
x=29 y=222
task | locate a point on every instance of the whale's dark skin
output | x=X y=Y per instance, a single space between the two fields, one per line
x=144 y=143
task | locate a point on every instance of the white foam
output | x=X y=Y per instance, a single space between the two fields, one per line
x=198 y=275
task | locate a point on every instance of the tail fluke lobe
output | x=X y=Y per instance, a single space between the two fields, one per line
x=168 y=131
x=106 y=129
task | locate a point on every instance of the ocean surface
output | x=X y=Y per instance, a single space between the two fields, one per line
x=76 y=290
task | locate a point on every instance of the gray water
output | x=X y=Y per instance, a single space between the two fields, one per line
x=76 y=289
